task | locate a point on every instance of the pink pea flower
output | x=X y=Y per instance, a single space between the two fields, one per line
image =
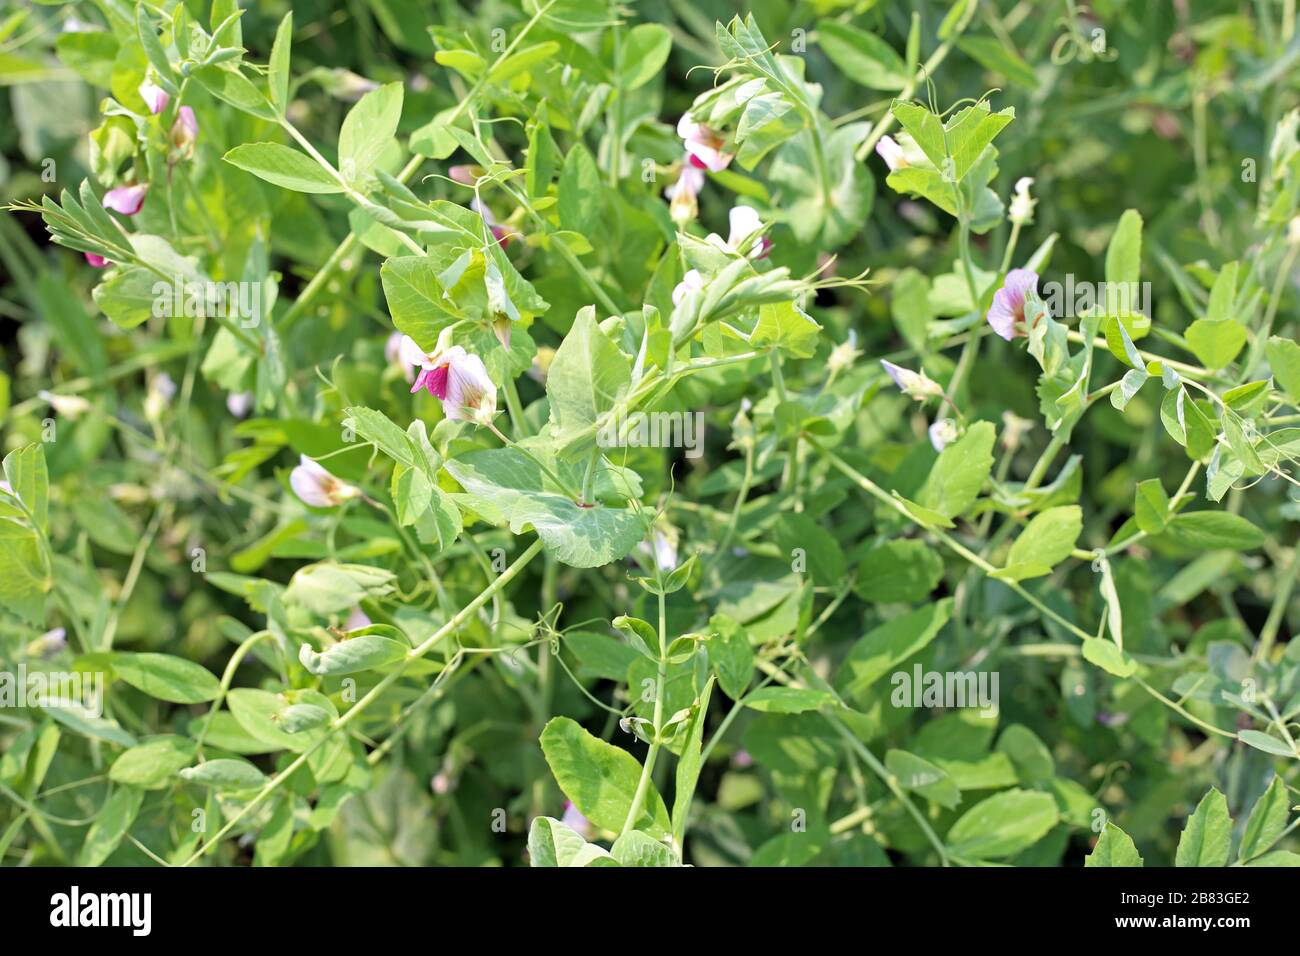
x=1007 y=314
x=239 y=404
x=744 y=223
x=575 y=821
x=703 y=144
x=889 y=150
x=126 y=199
x=154 y=96
x=185 y=132
x=317 y=487
x=357 y=619
x=691 y=282
x=500 y=233
x=942 y=432
x=916 y=384
x=99 y=262
x=433 y=365
x=465 y=175
x=682 y=195
x=471 y=393
x=393 y=355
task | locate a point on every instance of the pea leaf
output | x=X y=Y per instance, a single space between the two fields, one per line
x=1046 y=541
x=1114 y=848
x=898 y=572
x=863 y=57
x=888 y=645
x=282 y=166
x=166 y=677
x=1002 y=825
x=1207 y=837
x=955 y=480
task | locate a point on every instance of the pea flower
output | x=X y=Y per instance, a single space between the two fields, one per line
x=357 y=619
x=942 y=432
x=575 y=821
x=393 y=356
x=683 y=194
x=185 y=132
x=691 y=282
x=67 y=406
x=317 y=487
x=916 y=384
x=744 y=223
x=1007 y=314
x=239 y=404
x=465 y=175
x=500 y=233
x=154 y=96
x=162 y=389
x=1022 y=204
x=126 y=199
x=433 y=365
x=471 y=393
x=889 y=150
x=99 y=262
x=703 y=144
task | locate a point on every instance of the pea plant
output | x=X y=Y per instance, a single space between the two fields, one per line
x=566 y=433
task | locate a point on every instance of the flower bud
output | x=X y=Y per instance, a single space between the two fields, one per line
x=154 y=96
x=916 y=384
x=317 y=487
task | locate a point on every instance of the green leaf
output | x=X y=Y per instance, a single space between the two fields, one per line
x=257 y=713
x=788 y=700
x=920 y=776
x=1284 y=359
x=732 y=655
x=635 y=848
x=1151 y=506
x=282 y=166
x=110 y=825
x=504 y=486
x=551 y=843
x=224 y=774
x=955 y=480
x=1206 y=530
x=600 y=778
x=989 y=53
x=580 y=203
x=278 y=66
x=642 y=54
x=328 y=588
x=23 y=582
x=688 y=766
x=128 y=295
x=522 y=60
x=1002 y=825
x=863 y=57
x=368 y=131
x=785 y=326
x=166 y=677
x=1109 y=657
x=363 y=650
x=898 y=572
x=1124 y=254
x=587 y=377
x=1114 y=848
x=1207 y=837
x=1216 y=342
x=888 y=645
x=1266 y=742
x=1267 y=821
x=1046 y=541
x=25 y=470
x=152 y=764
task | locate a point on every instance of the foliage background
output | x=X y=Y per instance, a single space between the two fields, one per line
x=1163 y=127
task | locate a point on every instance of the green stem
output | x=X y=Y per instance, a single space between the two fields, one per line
x=661 y=676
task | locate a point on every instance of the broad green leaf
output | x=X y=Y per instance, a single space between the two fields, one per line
x=785 y=326
x=1267 y=821
x=282 y=166
x=166 y=677
x=1216 y=343
x=110 y=826
x=1151 y=506
x=956 y=478
x=362 y=650
x=1205 y=530
x=899 y=572
x=788 y=700
x=368 y=131
x=731 y=655
x=1109 y=657
x=551 y=843
x=224 y=774
x=600 y=778
x=128 y=295
x=1114 y=848
x=1267 y=743
x=888 y=645
x=1124 y=254
x=28 y=477
x=635 y=848
x=992 y=55
x=581 y=201
x=642 y=54
x=1207 y=837
x=863 y=57
x=1284 y=359
x=588 y=375
x=1046 y=541
x=328 y=588
x=278 y=66
x=1002 y=825
x=257 y=712
x=152 y=764
x=921 y=776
